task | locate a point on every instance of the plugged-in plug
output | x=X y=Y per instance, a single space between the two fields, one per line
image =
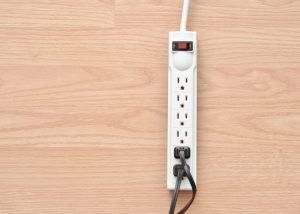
x=186 y=149
x=178 y=167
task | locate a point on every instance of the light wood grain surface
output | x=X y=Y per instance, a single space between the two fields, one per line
x=83 y=106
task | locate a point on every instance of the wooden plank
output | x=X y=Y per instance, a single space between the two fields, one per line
x=209 y=13
x=45 y=15
x=147 y=48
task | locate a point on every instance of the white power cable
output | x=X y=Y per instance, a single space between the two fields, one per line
x=185 y=12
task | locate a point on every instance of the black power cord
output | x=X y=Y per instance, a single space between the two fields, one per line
x=182 y=170
x=176 y=191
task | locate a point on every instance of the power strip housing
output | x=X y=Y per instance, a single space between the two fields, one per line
x=182 y=102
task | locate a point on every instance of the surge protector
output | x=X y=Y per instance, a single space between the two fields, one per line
x=182 y=102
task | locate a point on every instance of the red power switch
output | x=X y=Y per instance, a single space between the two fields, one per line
x=183 y=46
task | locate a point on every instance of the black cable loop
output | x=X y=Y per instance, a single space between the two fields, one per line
x=181 y=172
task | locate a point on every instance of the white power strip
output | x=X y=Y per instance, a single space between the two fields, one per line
x=182 y=102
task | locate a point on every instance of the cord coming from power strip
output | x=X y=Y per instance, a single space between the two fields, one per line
x=185 y=12
x=184 y=170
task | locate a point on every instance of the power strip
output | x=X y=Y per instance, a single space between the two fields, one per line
x=182 y=102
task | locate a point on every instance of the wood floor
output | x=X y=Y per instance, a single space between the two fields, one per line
x=83 y=106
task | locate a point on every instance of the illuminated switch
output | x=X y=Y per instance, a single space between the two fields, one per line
x=182 y=46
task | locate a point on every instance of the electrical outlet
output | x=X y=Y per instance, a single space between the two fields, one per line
x=182 y=103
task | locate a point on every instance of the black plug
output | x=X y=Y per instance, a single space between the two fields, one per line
x=178 y=167
x=186 y=149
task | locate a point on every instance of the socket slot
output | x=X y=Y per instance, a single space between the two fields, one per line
x=182 y=101
x=182 y=120
x=183 y=83
x=182 y=136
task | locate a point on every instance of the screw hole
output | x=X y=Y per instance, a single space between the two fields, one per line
x=182 y=123
x=182 y=87
x=181 y=141
x=182 y=105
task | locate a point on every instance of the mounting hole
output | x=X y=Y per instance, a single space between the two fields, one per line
x=181 y=141
x=182 y=87
x=182 y=123
x=182 y=105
